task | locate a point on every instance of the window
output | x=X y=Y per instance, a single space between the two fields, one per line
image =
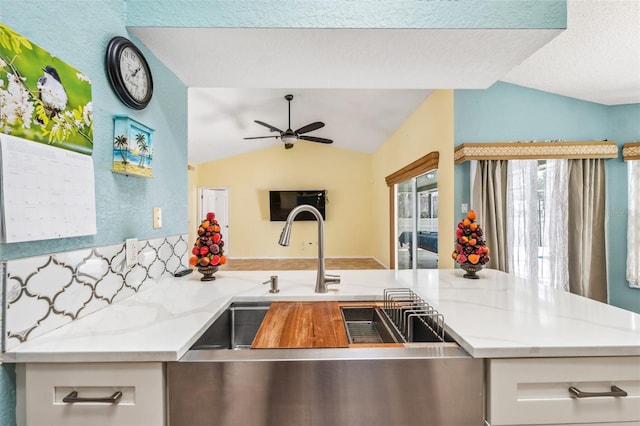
x=417 y=210
x=556 y=236
x=423 y=165
x=537 y=220
x=633 y=229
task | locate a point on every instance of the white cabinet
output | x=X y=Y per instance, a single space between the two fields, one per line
x=535 y=391
x=41 y=389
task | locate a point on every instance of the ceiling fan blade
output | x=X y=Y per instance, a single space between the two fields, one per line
x=310 y=127
x=268 y=126
x=262 y=137
x=315 y=139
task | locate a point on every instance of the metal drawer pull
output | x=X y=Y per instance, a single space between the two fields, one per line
x=73 y=397
x=615 y=391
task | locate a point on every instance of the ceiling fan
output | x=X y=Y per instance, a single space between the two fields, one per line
x=289 y=137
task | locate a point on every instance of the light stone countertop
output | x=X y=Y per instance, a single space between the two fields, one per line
x=497 y=316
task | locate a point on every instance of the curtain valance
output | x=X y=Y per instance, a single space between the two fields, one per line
x=535 y=150
x=631 y=151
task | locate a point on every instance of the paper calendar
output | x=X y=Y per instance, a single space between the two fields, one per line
x=47 y=192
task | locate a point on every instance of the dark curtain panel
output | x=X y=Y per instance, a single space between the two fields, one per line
x=586 y=229
x=490 y=195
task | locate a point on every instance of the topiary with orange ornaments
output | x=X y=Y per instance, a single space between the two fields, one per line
x=208 y=249
x=470 y=246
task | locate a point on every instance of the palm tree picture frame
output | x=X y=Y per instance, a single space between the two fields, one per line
x=132 y=147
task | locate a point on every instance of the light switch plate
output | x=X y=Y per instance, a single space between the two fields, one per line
x=131 y=251
x=157 y=217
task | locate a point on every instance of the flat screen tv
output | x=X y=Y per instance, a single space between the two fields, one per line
x=282 y=202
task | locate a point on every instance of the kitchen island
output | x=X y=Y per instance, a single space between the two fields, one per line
x=513 y=324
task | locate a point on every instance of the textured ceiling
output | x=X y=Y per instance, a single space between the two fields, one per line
x=596 y=59
x=341 y=58
x=349 y=79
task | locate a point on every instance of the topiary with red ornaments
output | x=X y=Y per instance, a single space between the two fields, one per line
x=470 y=246
x=208 y=249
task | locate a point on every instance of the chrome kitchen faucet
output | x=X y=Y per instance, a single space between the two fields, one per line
x=322 y=280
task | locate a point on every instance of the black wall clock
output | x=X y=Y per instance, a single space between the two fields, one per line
x=129 y=73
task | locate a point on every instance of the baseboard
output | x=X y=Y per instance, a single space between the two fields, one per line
x=380 y=262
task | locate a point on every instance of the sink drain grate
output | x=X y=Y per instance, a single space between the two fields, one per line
x=363 y=332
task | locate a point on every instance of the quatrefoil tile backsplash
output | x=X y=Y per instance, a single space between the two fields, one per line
x=43 y=293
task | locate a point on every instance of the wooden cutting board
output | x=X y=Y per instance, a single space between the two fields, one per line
x=302 y=325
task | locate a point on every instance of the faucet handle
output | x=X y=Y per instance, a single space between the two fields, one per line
x=332 y=279
x=274 y=284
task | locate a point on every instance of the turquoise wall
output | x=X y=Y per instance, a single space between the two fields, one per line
x=624 y=126
x=78 y=32
x=348 y=14
x=7 y=395
x=506 y=112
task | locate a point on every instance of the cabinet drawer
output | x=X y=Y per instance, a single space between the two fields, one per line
x=529 y=391
x=42 y=388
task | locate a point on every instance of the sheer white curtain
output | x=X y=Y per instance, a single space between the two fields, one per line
x=554 y=267
x=633 y=229
x=537 y=222
x=522 y=218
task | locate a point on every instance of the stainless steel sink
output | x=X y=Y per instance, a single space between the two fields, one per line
x=365 y=324
x=235 y=328
x=374 y=385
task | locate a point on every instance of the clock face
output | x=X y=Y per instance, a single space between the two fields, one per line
x=134 y=74
x=129 y=73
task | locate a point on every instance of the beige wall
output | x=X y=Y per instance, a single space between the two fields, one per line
x=192 y=199
x=346 y=175
x=429 y=128
x=357 y=212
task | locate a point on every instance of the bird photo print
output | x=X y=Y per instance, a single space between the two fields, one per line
x=51 y=92
x=42 y=98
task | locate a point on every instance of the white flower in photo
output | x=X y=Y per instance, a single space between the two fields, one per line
x=87 y=114
x=14 y=103
x=83 y=77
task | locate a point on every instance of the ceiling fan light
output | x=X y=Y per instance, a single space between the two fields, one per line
x=289 y=140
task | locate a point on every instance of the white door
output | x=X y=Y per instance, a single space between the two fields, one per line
x=216 y=200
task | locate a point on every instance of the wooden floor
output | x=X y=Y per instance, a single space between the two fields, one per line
x=299 y=264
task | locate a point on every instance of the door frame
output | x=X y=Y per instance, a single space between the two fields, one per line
x=419 y=167
x=227 y=234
